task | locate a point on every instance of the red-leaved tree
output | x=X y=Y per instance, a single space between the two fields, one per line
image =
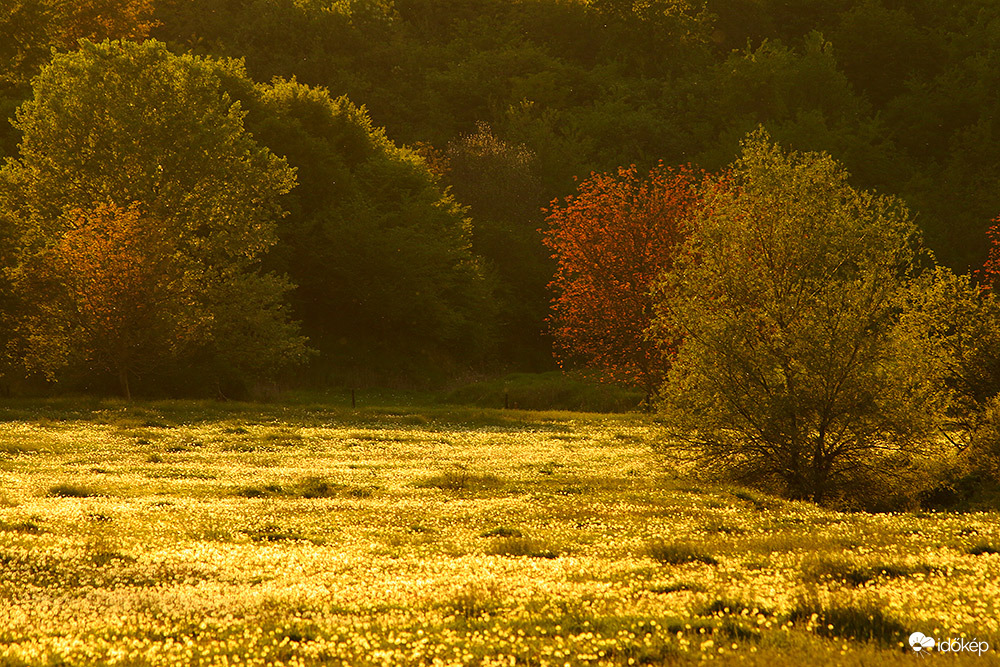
x=989 y=275
x=611 y=241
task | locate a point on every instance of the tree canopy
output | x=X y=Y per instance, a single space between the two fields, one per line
x=379 y=251
x=526 y=99
x=611 y=242
x=134 y=157
x=793 y=373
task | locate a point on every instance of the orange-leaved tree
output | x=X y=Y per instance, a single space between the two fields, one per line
x=98 y=20
x=989 y=275
x=107 y=295
x=31 y=29
x=610 y=241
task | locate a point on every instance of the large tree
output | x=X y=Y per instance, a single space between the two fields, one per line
x=135 y=128
x=388 y=288
x=610 y=242
x=793 y=373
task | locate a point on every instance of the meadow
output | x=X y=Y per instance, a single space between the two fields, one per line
x=226 y=533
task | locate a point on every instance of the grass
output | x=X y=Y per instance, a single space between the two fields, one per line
x=864 y=621
x=677 y=553
x=547 y=391
x=188 y=532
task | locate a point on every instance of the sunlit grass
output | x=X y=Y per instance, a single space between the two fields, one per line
x=182 y=532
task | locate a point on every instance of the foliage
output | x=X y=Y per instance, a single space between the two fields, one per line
x=33 y=27
x=963 y=321
x=97 y=20
x=25 y=25
x=792 y=373
x=387 y=285
x=654 y=34
x=151 y=136
x=990 y=273
x=108 y=295
x=499 y=181
x=611 y=241
x=904 y=94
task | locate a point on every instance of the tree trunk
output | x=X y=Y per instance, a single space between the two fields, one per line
x=123 y=381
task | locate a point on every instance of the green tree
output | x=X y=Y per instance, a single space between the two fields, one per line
x=962 y=320
x=801 y=96
x=387 y=284
x=793 y=373
x=121 y=123
x=32 y=28
x=881 y=49
x=499 y=182
x=27 y=29
x=655 y=36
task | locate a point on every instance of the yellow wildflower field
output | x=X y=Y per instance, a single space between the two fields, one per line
x=221 y=534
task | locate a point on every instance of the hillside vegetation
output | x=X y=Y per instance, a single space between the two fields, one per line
x=414 y=251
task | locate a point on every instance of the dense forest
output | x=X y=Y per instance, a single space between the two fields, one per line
x=406 y=155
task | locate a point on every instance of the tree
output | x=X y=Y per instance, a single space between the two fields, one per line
x=26 y=27
x=387 y=285
x=97 y=20
x=962 y=321
x=499 y=183
x=610 y=242
x=152 y=137
x=793 y=373
x=32 y=28
x=107 y=295
x=654 y=35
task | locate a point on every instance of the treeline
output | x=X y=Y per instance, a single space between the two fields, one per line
x=428 y=258
x=903 y=93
